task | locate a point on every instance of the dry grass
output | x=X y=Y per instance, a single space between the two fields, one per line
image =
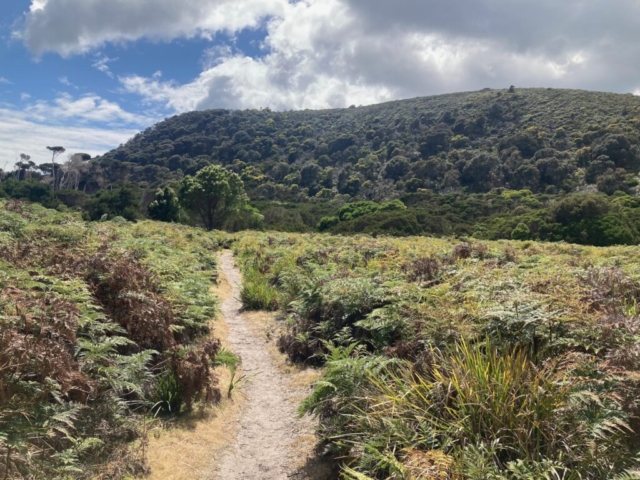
x=192 y=446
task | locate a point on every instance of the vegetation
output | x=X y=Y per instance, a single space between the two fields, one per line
x=449 y=159
x=484 y=352
x=101 y=326
x=214 y=195
x=503 y=360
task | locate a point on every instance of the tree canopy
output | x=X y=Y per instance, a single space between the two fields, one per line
x=213 y=195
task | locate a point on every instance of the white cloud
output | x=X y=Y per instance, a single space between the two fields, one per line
x=76 y=26
x=321 y=55
x=37 y=5
x=102 y=64
x=88 y=124
x=66 y=82
x=88 y=108
x=304 y=69
x=19 y=134
x=24 y=96
x=5 y=81
x=333 y=53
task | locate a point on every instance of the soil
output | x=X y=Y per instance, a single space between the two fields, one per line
x=272 y=442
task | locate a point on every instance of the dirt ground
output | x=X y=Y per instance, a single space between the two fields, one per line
x=257 y=433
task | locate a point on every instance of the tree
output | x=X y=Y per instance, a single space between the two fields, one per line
x=521 y=232
x=165 y=207
x=482 y=173
x=309 y=174
x=24 y=166
x=121 y=202
x=397 y=167
x=613 y=181
x=73 y=170
x=214 y=195
x=619 y=149
x=55 y=151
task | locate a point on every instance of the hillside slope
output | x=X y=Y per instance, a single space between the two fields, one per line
x=492 y=164
x=539 y=139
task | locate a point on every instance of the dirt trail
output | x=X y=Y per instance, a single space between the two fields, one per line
x=269 y=428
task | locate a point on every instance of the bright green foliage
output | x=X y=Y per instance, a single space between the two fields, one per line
x=214 y=195
x=503 y=360
x=165 y=207
x=521 y=232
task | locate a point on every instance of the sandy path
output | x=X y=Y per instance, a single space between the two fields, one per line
x=269 y=427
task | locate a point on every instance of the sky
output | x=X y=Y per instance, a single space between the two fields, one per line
x=89 y=74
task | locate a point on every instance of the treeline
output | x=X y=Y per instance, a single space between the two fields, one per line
x=546 y=141
x=583 y=218
x=456 y=162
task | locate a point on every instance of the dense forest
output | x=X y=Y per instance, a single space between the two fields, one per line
x=519 y=163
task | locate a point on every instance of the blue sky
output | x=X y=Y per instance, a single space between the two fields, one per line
x=89 y=74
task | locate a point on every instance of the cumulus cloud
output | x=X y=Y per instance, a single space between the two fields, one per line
x=88 y=108
x=70 y=27
x=333 y=53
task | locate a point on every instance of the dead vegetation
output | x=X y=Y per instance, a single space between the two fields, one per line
x=92 y=340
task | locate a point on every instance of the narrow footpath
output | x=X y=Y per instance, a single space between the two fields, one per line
x=269 y=427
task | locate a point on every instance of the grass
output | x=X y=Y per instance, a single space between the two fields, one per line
x=463 y=360
x=257 y=294
x=191 y=445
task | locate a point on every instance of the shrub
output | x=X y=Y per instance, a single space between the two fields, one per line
x=327 y=223
x=521 y=232
x=422 y=269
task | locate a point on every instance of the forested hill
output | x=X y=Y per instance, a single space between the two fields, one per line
x=543 y=140
x=539 y=164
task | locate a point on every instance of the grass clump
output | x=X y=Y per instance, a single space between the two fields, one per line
x=257 y=293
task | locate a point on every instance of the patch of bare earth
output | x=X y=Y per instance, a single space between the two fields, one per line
x=191 y=446
x=272 y=442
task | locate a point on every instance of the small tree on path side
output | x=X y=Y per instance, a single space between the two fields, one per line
x=214 y=194
x=165 y=207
